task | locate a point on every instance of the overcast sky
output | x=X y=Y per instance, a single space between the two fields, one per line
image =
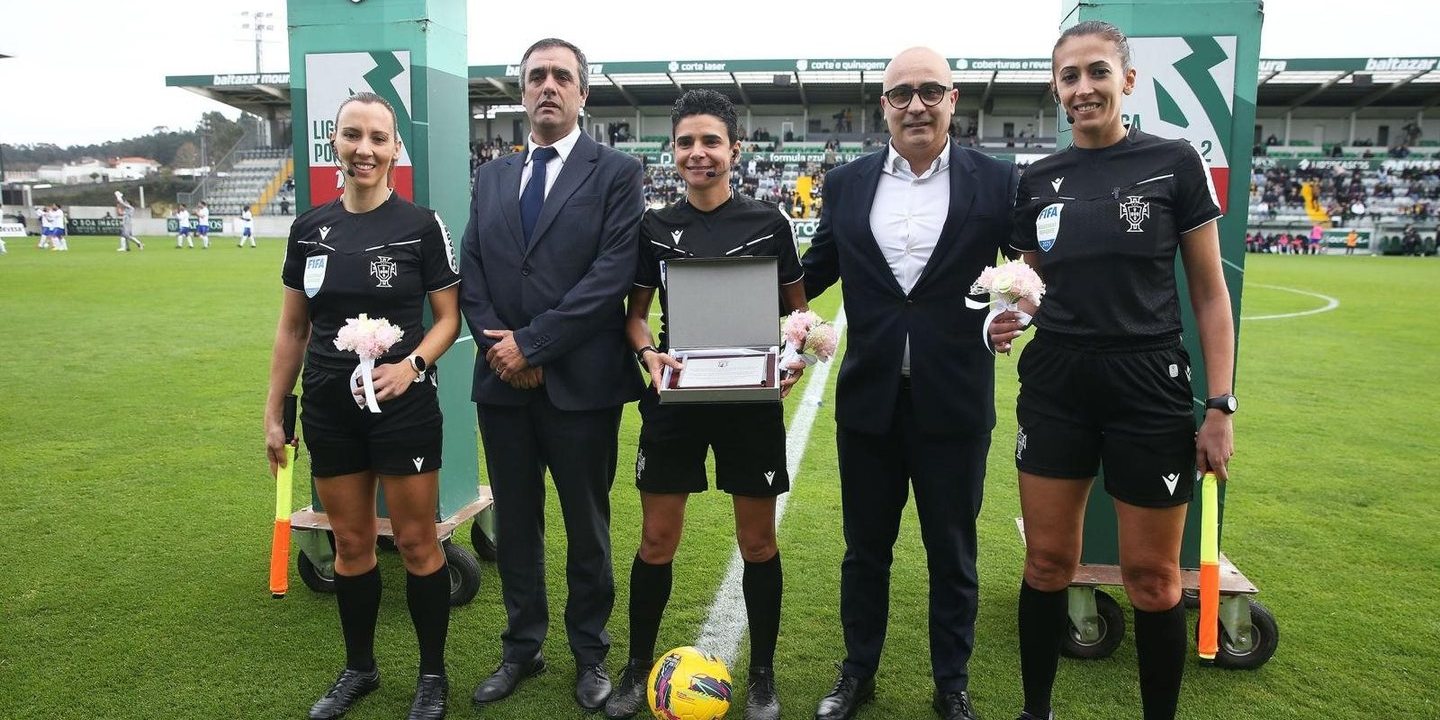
x=100 y=73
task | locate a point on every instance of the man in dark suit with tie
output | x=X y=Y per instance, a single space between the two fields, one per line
x=547 y=258
x=906 y=231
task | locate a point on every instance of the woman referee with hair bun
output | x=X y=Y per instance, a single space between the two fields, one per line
x=1106 y=380
x=371 y=252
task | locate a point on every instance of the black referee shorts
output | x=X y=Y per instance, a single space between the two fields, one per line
x=1126 y=408
x=748 y=440
x=404 y=438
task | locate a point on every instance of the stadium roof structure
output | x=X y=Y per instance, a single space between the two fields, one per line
x=1339 y=83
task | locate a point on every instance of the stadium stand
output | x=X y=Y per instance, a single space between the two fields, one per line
x=1366 y=114
x=255 y=180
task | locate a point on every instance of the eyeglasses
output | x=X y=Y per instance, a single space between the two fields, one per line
x=930 y=94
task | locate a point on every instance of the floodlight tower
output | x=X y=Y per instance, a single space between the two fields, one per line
x=259 y=21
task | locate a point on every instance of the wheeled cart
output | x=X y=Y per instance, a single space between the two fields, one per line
x=316 y=559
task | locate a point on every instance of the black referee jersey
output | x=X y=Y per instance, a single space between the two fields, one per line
x=740 y=227
x=381 y=263
x=1105 y=225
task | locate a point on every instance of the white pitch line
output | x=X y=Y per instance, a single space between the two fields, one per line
x=1330 y=304
x=725 y=623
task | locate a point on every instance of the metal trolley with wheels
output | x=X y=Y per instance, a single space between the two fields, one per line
x=1248 y=632
x=316 y=559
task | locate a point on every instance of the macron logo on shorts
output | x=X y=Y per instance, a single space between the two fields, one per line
x=770 y=477
x=421 y=461
x=1171 y=481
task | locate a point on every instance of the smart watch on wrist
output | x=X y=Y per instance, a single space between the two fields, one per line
x=1224 y=403
x=418 y=364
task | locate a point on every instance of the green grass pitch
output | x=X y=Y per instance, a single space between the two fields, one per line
x=134 y=531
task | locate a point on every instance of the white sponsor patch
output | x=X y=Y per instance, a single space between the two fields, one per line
x=315 y=274
x=1047 y=225
x=449 y=247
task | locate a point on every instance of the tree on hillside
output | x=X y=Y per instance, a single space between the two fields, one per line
x=223 y=134
x=186 y=156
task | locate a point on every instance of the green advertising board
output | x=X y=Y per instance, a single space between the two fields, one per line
x=172 y=225
x=1335 y=238
x=92 y=226
x=412 y=53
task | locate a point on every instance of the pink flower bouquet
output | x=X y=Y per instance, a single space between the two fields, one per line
x=1007 y=285
x=807 y=339
x=369 y=338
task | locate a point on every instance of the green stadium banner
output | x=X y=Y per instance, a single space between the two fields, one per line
x=93 y=226
x=172 y=226
x=413 y=54
x=1334 y=238
x=1198 y=62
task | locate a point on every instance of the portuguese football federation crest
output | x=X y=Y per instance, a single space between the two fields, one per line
x=384 y=270
x=1134 y=211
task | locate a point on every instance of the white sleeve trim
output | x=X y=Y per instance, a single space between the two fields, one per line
x=453 y=284
x=643 y=285
x=1197 y=227
x=796 y=280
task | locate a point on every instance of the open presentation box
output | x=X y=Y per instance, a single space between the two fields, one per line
x=723 y=325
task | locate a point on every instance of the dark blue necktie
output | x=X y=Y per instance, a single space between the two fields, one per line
x=533 y=197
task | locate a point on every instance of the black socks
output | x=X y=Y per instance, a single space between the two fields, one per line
x=1042 y=618
x=358 y=597
x=762 y=585
x=649 y=593
x=429 y=600
x=1160 y=645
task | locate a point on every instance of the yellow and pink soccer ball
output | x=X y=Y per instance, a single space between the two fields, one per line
x=687 y=684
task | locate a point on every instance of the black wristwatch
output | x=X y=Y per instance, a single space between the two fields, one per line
x=640 y=354
x=1224 y=403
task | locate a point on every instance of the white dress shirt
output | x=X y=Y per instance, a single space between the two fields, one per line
x=563 y=146
x=906 y=218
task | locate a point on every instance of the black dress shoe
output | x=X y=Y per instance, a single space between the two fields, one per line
x=592 y=686
x=954 y=706
x=349 y=687
x=849 y=693
x=431 y=692
x=628 y=698
x=506 y=678
x=761 y=703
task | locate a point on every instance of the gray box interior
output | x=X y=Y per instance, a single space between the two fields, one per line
x=723 y=303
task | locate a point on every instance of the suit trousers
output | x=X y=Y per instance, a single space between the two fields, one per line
x=876 y=472
x=579 y=449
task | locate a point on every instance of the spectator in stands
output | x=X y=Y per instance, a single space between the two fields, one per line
x=1410 y=241
x=284 y=205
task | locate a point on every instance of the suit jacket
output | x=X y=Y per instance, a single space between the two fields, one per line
x=564 y=292
x=952 y=372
